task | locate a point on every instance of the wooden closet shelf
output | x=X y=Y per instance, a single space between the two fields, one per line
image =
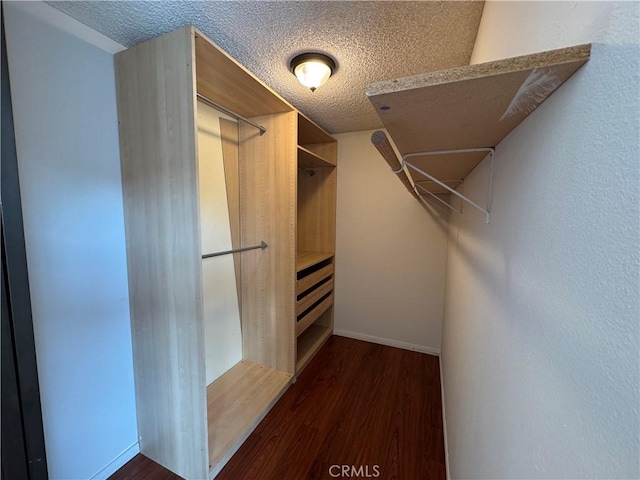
x=309 y=343
x=308 y=259
x=469 y=107
x=237 y=402
x=297 y=210
x=308 y=159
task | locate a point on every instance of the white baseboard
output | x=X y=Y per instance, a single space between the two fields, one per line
x=117 y=463
x=387 y=341
x=444 y=425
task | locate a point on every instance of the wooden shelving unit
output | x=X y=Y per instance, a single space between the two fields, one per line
x=184 y=424
x=468 y=107
x=316 y=204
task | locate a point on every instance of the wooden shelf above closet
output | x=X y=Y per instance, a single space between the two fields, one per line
x=245 y=394
x=468 y=107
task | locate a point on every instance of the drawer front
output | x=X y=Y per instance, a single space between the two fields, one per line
x=312 y=279
x=313 y=296
x=312 y=315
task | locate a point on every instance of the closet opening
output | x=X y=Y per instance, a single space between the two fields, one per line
x=238 y=390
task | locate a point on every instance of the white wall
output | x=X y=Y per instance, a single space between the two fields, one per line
x=390 y=254
x=541 y=334
x=65 y=116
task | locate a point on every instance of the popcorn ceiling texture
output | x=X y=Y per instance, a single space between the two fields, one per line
x=371 y=42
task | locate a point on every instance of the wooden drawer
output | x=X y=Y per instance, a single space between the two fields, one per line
x=310 y=280
x=312 y=315
x=313 y=296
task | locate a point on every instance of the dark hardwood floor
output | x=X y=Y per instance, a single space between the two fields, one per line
x=141 y=468
x=359 y=410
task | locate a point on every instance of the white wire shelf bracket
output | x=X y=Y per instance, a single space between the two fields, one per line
x=491 y=153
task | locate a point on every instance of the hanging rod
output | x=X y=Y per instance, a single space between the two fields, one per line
x=232 y=113
x=381 y=142
x=262 y=246
x=309 y=171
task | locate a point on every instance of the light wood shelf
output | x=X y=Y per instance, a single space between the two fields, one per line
x=309 y=343
x=308 y=159
x=308 y=259
x=468 y=107
x=236 y=403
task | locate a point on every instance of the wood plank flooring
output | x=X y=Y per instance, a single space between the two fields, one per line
x=141 y=468
x=360 y=406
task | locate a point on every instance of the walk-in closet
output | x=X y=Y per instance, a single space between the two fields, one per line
x=296 y=240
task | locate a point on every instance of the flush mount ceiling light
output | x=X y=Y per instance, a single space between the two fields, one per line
x=312 y=69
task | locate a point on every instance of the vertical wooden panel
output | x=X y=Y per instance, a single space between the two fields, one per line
x=156 y=105
x=268 y=212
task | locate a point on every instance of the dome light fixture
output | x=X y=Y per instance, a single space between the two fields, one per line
x=312 y=69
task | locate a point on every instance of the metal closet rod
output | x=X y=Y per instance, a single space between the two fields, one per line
x=262 y=246
x=231 y=112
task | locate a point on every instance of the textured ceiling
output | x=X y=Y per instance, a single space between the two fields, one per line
x=371 y=41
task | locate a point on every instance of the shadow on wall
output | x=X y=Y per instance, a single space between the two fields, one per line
x=440 y=217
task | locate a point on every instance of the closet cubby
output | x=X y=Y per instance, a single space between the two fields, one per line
x=315 y=239
x=284 y=195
